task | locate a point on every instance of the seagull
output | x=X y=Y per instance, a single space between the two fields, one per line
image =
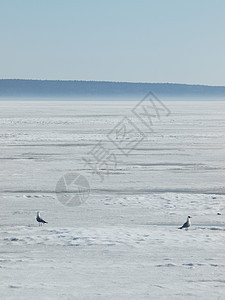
x=186 y=224
x=39 y=219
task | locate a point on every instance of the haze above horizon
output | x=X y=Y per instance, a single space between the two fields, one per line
x=127 y=41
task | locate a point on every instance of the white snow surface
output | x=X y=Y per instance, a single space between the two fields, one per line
x=123 y=242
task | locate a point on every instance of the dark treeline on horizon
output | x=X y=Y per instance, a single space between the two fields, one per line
x=57 y=88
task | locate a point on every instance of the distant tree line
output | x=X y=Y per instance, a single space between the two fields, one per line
x=57 y=88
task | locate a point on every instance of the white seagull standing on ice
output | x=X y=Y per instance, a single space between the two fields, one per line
x=186 y=224
x=39 y=219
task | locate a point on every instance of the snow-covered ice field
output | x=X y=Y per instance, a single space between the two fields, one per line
x=123 y=242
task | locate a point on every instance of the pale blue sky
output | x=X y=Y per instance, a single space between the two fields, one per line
x=121 y=40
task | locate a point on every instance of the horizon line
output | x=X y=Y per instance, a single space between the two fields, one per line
x=132 y=82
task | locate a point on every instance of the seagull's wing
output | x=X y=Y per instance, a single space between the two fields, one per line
x=184 y=225
x=40 y=220
x=43 y=221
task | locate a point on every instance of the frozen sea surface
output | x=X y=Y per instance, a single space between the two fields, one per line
x=123 y=241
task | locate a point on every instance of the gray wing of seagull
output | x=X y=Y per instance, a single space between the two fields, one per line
x=40 y=220
x=185 y=225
